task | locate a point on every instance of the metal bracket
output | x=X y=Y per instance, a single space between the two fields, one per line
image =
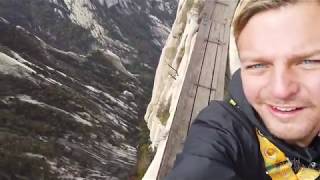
x=199 y=85
x=173 y=76
x=216 y=41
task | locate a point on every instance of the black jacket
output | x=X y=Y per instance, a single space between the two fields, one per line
x=222 y=143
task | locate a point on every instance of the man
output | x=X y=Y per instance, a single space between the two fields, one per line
x=269 y=128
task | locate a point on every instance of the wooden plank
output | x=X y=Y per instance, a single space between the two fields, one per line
x=218 y=82
x=206 y=74
x=182 y=116
x=216 y=72
x=220 y=92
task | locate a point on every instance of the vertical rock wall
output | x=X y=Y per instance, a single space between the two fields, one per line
x=170 y=75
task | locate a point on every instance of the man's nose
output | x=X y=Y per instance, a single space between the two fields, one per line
x=284 y=84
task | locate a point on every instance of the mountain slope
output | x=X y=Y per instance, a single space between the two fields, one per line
x=74 y=80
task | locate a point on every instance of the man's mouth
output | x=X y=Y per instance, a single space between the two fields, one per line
x=285 y=109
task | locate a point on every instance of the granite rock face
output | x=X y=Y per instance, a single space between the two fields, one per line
x=169 y=78
x=75 y=77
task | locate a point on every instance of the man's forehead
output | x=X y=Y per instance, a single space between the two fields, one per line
x=290 y=32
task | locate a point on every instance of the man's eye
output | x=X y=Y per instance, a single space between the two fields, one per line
x=310 y=64
x=310 y=61
x=255 y=66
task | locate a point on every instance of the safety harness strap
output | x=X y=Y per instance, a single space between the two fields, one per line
x=278 y=166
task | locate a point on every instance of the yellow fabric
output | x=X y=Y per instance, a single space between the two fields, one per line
x=307 y=174
x=279 y=166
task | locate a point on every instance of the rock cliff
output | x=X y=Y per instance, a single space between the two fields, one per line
x=75 y=77
x=169 y=77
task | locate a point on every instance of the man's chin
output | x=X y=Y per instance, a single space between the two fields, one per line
x=291 y=136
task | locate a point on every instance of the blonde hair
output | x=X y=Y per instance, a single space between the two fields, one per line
x=253 y=7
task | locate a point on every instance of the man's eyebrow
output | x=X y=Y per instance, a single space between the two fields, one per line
x=296 y=55
x=252 y=57
x=305 y=53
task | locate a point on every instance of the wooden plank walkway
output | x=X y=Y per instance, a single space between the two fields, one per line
x=205 y=77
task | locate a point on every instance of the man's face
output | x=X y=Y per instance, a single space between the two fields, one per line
x=280 y=68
